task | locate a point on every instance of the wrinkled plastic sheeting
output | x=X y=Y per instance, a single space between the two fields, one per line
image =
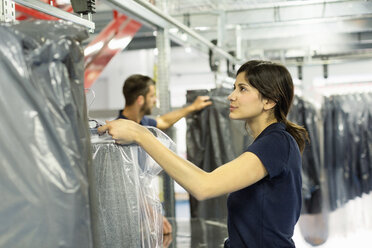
x=44 y=147
x=129 y=212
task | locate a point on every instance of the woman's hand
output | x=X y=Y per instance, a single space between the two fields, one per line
x=123 y=131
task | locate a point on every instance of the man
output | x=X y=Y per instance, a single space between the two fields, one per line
x=140 y=98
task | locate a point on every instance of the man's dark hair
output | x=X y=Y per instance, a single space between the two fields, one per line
x=136 y=85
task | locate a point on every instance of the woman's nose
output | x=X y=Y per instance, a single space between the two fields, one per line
x=230 y=97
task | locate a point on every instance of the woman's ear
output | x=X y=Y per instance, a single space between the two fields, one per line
x=269 y=104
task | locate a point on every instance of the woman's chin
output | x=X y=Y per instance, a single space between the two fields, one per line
x=232 y=116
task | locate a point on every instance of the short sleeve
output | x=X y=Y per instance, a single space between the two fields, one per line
x=273 y=151
x=146 y=121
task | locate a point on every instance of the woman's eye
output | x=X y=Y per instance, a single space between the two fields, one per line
x=243 y=89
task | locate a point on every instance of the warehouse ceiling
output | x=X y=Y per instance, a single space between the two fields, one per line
x=307 y=31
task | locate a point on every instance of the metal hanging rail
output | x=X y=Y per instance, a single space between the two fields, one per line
x=151 y=14
x=53 y=11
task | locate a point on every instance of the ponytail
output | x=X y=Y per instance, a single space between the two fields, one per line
x=299 y=133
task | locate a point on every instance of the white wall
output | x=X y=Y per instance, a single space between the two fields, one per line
x=108 y=87
x=188 y=71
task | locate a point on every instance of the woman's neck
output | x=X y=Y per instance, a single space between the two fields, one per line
x=257 y=126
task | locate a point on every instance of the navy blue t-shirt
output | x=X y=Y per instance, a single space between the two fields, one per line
x=264 y=214
x=146 y=121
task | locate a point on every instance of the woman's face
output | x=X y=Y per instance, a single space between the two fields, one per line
x=245 y=101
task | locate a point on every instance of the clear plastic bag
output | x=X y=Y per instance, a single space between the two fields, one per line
x=128 y=212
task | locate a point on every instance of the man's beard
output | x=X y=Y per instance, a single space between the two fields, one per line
x=145 y=109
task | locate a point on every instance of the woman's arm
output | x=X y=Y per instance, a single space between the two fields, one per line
x=237 y=174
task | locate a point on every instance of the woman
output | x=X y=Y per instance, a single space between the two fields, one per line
x=265 y=181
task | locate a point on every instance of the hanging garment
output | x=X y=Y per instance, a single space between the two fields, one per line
x=347 y=149
x=44 y=144
x=213 y=139
x=127 y=210
x=366 y=143
x=304 y=114
x=313 y=222
x=361 y=165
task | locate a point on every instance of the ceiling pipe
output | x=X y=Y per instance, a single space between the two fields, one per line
x=283 y=4
x=125 y=5
x=187 y=30
x=289 y=4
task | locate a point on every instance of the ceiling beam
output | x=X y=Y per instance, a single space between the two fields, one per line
x=56 y=12
x=145 y=11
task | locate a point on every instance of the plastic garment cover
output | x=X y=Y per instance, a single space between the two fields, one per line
x=305 y=114
x=213 y=139
x=44 y=146
x=313 y=220
x=347 y=147
x=344 y=175
x=127 y=211
x=347 y=121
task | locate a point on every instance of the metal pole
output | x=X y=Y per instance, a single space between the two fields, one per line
x=163 y=46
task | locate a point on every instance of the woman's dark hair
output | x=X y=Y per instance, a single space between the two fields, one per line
x=136 y=85
x=274 y=82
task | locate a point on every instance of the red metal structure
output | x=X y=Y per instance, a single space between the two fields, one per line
x=111 y=40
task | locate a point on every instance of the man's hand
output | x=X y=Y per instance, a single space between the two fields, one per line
x=167 y=240
x=167 y=227
x=167 y=120
x=201 y=102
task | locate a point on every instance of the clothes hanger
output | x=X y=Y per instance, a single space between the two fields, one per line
x=93 y=123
